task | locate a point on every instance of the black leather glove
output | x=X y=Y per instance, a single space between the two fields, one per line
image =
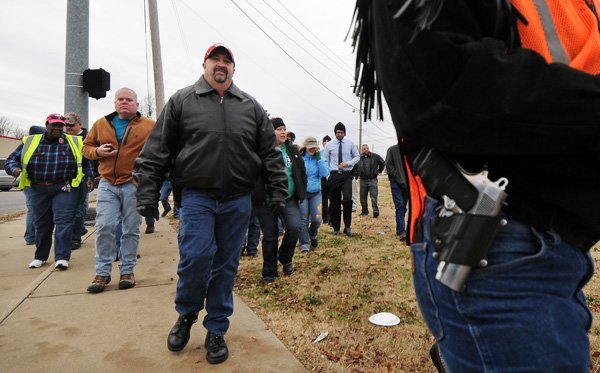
x=276 y=207
x=148 y=211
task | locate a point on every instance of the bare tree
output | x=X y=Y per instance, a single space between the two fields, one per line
x=10 y=128
x=19 y=132
x=148 y=107
x=6 y=126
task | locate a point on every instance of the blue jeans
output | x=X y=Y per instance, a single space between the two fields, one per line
x=400 y=197
x=149 y=221
x=29 y=219
x=524 y=312
x=118 y=234
x=269 y=227
x=369 y=187
x=53 y=210
x=165 y=191
x=252 y=235
x=116 y=203
x=309 y=208
x=210 y=241
x=80 y=214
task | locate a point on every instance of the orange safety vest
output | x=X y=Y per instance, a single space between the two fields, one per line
x=564 y=31
x=561 y=31
x=417 y=202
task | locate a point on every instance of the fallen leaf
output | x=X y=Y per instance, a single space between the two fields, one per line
x=357 y=353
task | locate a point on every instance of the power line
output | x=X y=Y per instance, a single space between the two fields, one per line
x=260 y=66
x=315 y=36
x=182 y=34
x=328 y=55
x=292 y=58
x=294 y=41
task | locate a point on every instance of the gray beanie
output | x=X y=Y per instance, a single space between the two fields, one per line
x=311 y=142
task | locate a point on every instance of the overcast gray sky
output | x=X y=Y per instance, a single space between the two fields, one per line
x=311 y=90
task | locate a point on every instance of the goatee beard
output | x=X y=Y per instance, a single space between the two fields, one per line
x=220 y=78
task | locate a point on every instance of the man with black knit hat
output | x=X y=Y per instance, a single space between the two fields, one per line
x=342 y=155
x=325 y=188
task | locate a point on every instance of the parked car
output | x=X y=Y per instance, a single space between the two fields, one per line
x=7 y=182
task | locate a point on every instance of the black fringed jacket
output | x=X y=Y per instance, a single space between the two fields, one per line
x=459 y=82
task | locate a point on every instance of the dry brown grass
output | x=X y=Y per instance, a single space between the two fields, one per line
x=338 y=287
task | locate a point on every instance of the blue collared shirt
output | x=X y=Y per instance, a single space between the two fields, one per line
x=349 y=154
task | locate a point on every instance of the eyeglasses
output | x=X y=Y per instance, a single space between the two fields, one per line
x=70 y=124
x=56 y=116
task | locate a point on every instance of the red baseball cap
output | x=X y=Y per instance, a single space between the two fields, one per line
x=212 y=48
x=55 y=118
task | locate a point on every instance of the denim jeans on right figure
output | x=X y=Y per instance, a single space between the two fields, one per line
x=116 y=203
x=310 y=211
x=252 y=235
x=53 y=211
x=400 y=198
x=268 y=224
x=80 y=215
x=210 y=241
x=523 y=312
x=165 y=192
x=29 y=219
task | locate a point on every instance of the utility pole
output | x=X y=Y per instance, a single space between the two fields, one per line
x=360 y=117
x=159 y=87
x=360 y=122
x=77 y=58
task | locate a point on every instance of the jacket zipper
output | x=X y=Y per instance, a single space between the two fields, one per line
x=226 y=155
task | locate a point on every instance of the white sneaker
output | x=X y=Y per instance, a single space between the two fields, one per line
x=62 y=264
x=36 y=263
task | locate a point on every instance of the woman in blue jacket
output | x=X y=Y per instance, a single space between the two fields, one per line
x=316 y=168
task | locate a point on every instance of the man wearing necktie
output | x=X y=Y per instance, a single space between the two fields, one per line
x=341 y=155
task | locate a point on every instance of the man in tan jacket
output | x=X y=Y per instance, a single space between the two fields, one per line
x=115 y=141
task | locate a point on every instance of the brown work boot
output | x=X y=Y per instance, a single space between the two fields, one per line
x=98 y=284
x=127 y=281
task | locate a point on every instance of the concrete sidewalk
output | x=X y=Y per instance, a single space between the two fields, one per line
x=49 y=323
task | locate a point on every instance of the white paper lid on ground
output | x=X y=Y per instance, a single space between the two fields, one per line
x=384 y=319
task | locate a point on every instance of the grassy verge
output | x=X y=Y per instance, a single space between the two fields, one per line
x=337 y=287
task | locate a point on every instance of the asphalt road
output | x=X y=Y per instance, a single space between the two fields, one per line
x=12 y=201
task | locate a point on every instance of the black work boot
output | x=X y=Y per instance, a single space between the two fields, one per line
x=180 y=332
x=216 y=348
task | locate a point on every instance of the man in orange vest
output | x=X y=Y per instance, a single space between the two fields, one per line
x=510 y=87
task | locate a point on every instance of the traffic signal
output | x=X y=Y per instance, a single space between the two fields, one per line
x=96 y=82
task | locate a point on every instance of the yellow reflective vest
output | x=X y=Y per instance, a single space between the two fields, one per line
x=30 y=144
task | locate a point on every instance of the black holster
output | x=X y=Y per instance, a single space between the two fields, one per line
x=463 y=238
